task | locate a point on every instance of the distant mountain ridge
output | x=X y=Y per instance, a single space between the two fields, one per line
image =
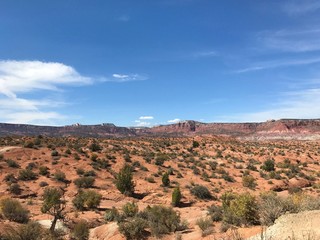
x=273 y=129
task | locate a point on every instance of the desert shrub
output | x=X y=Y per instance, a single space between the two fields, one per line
x=215 y=212
x=90 y=173
x=60 y=176
x=15 y=188
x=213 y=165
x=241 y=209
x=26 y=175
x=87 y=199
x=10 y=178
x=13 y=164
x=80 y=171
x=201 y=192
x=111 y=215
x=95 y=147
x=29 y=231
x=80 y=230
x=162 y=220
x=249 y=182
x=205 y=224
x=134 y=229
x=130 y=209
x=271 y=207
x=84 y=182
x=160 y=159
x=28 y=145
x=13 y=211
x=268 y=165
x=176 y=197
x=43 y=170
x=195 y=144
x=54 y=153
x=165 y=179
x=124 y=182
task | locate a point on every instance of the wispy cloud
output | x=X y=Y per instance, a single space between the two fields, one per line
x=123 y=18
x=299 y=7
x=201 y=54
x=146 y=118
x=176 y=120
x=18 y=77
x=119 y=77
x=303 y=103
x=144 y=121
x=298 y=40
x=279 y=63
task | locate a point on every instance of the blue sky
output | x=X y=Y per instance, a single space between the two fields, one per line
x=144 y=63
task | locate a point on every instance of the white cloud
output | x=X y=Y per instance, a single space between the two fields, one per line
x=117 y=77
x=27 y=76
x=176 y=120
x=299 y=7
x=146 y=117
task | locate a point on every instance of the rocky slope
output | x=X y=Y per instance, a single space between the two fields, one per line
x=303 y=129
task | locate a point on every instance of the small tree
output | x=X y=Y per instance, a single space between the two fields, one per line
x=53 y=204
x=124 y=182
x=176 y=197
x=268 y=165
x=165 y=179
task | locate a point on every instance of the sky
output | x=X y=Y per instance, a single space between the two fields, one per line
x=151 y=62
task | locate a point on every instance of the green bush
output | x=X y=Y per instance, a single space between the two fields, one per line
x=241 y=209
x=13 y=211
x=60 y=176
x=15 y=188
x=268 y=165
x=165 y=179
x=80 y=230
x=84 y=182
x=124 y=182
x=87 y=199
x=162 y=220
x=176 y=197
x=215 y=212
x=130 y=209
x=249 y=182
x=201 y=192
x=134 y=229
x=13 y=164
x=43 y=170
x=111 y=215
x=26 y=175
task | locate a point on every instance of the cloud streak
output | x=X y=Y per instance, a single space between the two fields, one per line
x=118 y=77
x=300 y=7
x=279 y=63
x=299 y=104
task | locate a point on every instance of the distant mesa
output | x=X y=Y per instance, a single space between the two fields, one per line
x=303 y=129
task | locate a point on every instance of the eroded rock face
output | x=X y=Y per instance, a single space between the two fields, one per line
x=299 y=226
